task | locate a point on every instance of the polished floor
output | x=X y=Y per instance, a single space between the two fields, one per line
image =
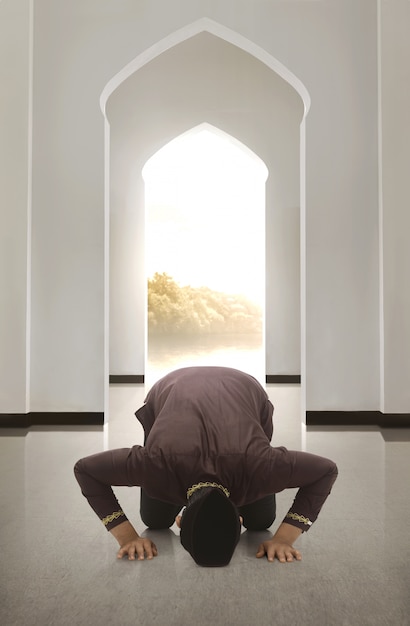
x=58 y=565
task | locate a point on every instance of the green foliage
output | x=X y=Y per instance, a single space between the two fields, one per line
x=173 y=309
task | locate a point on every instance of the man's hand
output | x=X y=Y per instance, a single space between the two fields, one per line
x=132 y=544
x=284 y=552
x=281 y=545
x=138 y=548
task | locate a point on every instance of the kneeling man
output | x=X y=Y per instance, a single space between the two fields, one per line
x=207 y=448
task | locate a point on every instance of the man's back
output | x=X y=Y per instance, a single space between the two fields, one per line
x=206 y=411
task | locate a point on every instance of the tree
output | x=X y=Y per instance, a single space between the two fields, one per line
x=175 y=309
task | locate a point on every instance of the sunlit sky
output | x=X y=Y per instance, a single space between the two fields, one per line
x=205 y=213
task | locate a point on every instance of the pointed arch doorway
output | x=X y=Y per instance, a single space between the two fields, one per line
x=205 y=254
x=241 y=88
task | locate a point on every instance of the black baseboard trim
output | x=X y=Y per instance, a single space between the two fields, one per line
x=313 y=418
x=126 y=379
x=358 y=418
x=26 y=420
x=283 y=379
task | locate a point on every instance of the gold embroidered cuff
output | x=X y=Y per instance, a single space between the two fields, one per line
x=300 y=518
x=110 y=518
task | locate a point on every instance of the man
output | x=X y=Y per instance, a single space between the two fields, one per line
x=207 y=447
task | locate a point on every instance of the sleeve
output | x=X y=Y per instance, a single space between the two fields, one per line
x=314 y=475
x=97 y=473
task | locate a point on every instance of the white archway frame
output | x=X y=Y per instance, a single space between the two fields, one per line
x=214 y=28
x=224 y=135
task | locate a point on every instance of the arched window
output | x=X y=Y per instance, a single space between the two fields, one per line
x=205 y=253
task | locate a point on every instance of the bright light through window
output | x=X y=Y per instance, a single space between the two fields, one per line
x=205 y=234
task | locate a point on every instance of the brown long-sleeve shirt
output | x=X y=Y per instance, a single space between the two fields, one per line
x=207 y=424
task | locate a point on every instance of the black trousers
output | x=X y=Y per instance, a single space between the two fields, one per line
x=259 y=515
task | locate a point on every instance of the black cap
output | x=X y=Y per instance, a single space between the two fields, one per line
x=210 y=529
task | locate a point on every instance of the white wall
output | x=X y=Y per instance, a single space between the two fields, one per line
x=342 y=315
x=395 y=169
x=67 y=357
x=331 y=47
x=14 y=164
x=204 y=79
